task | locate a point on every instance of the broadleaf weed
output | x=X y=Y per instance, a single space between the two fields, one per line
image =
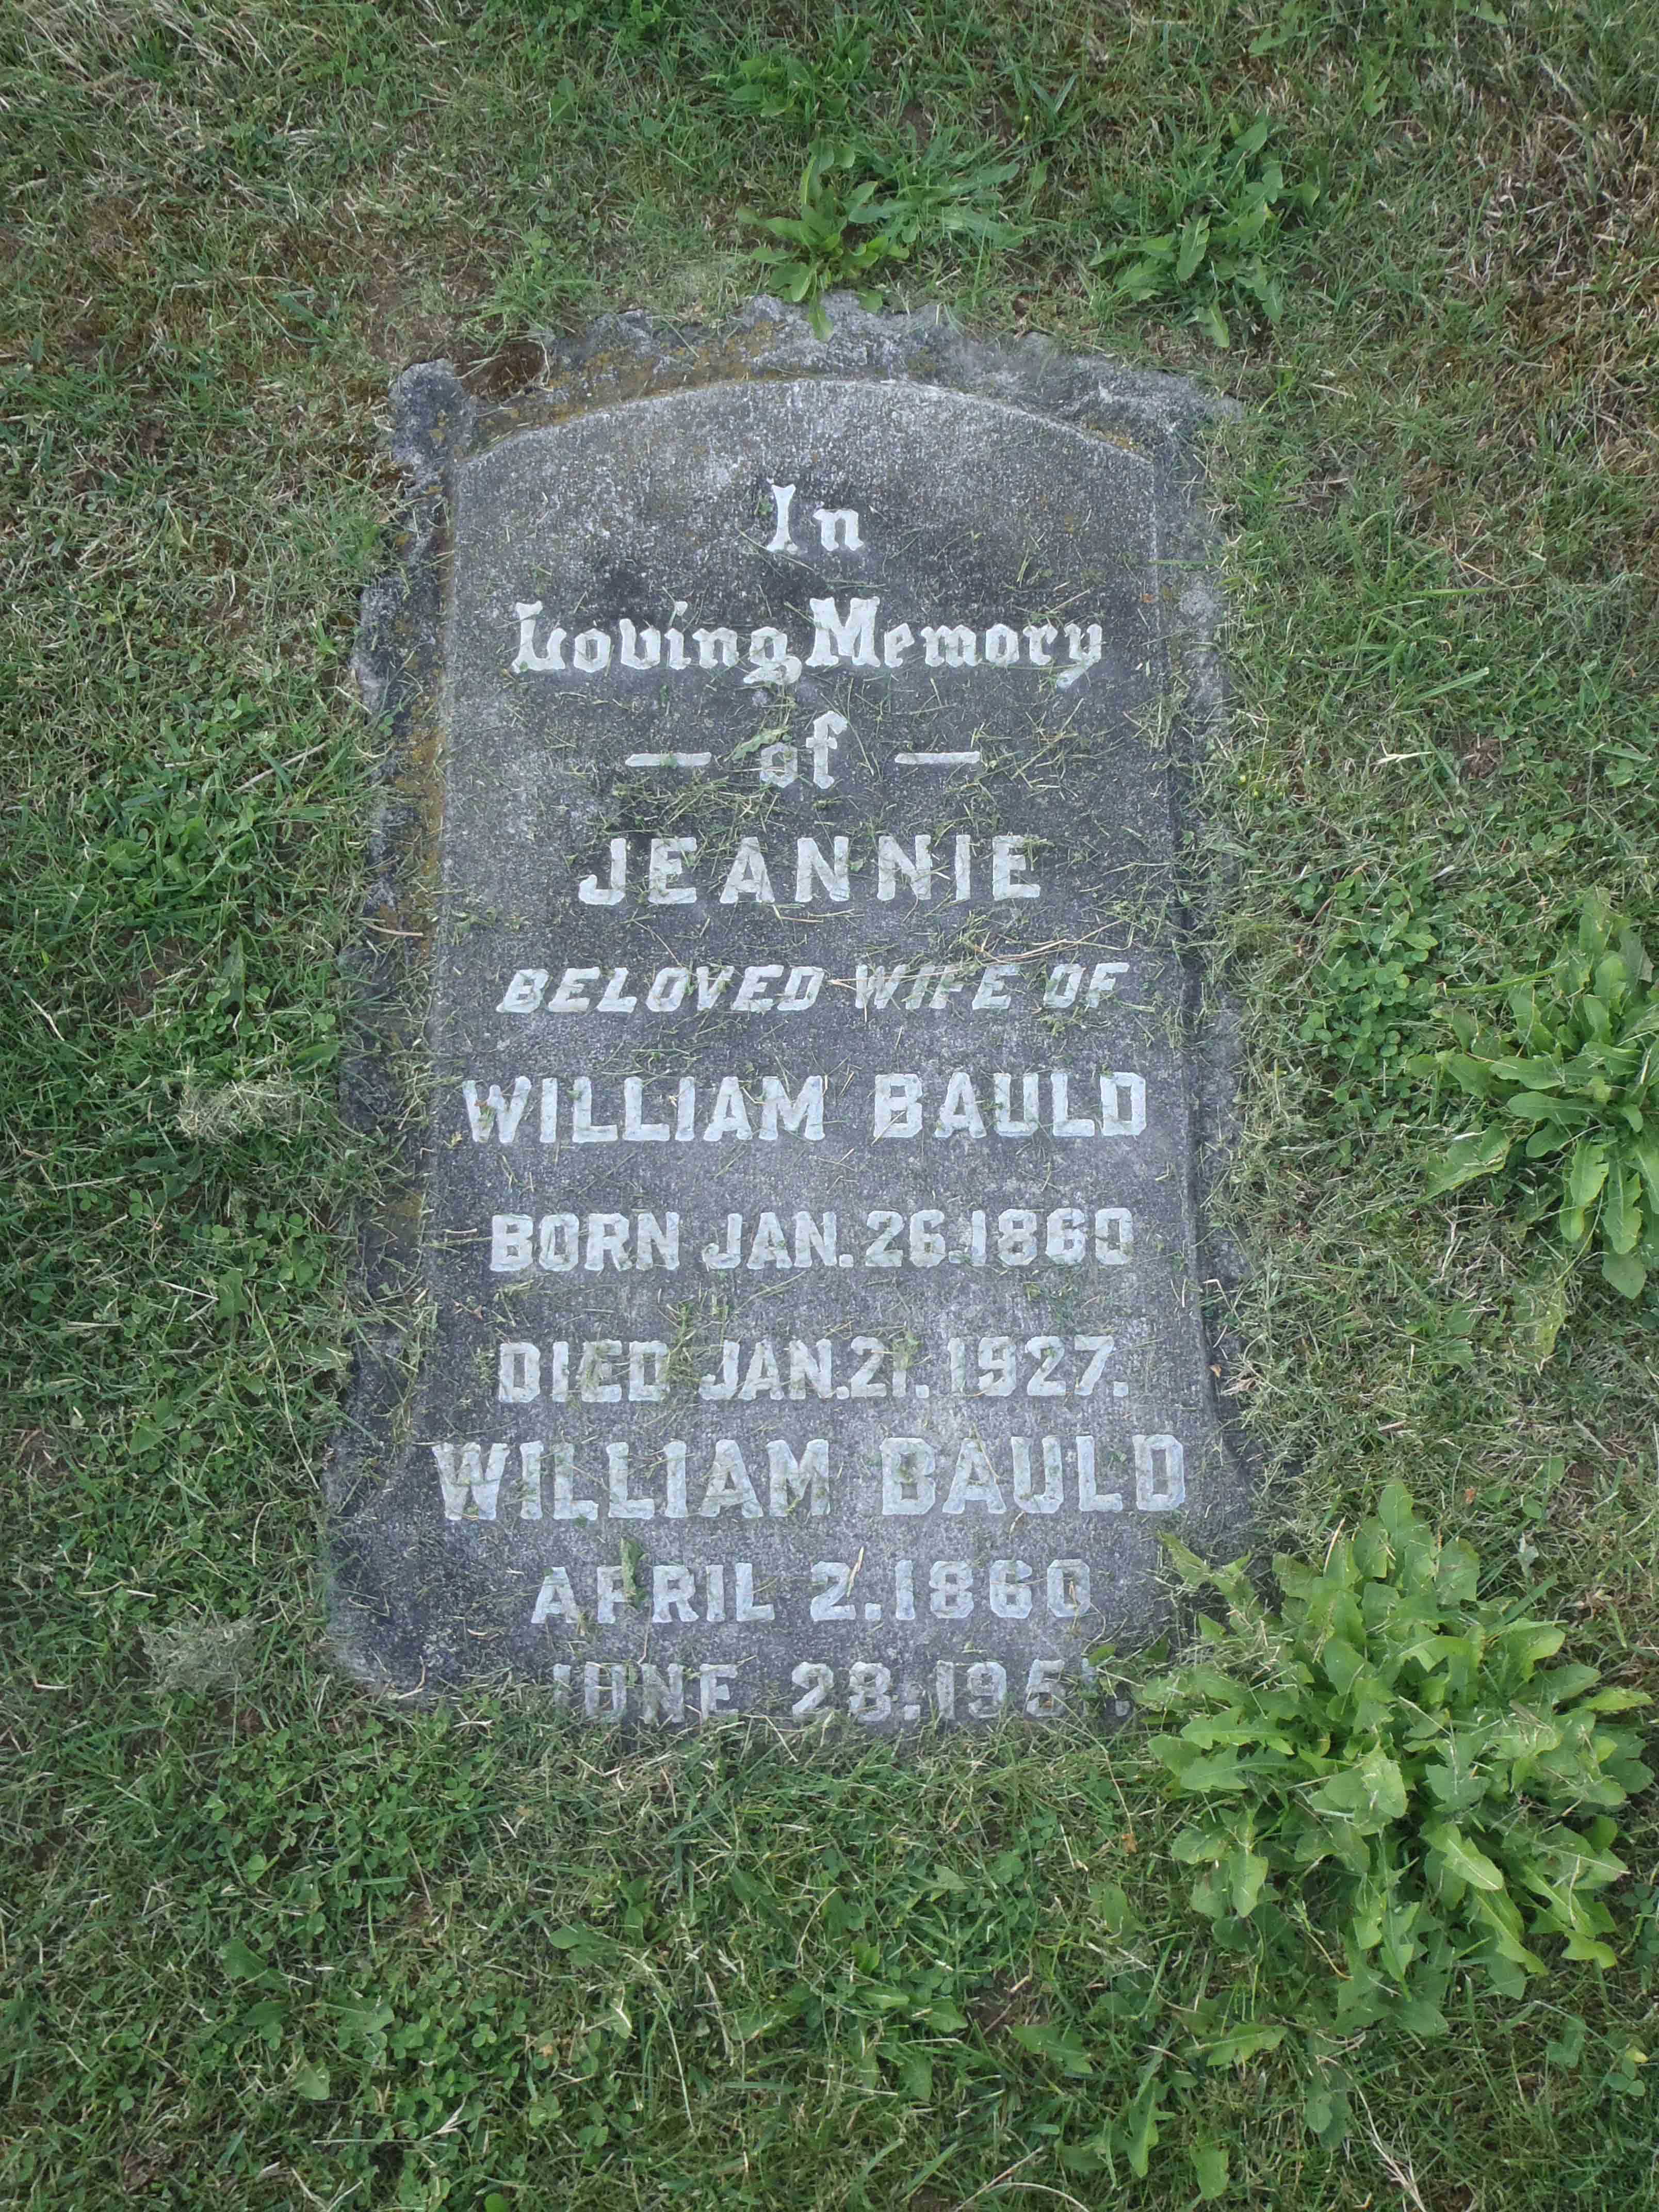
x=1213 y=248
x=1572 y=1078
x=1386 y=1769
x=948 y=193
x=817 y=250
x=1374 y=990
x=780 y=85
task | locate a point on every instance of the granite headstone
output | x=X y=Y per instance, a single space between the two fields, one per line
x=785 y=849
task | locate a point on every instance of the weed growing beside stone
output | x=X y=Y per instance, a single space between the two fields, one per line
x=1572 y=1073
x=1385 y=1768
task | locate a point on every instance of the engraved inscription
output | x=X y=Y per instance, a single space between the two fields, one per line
x=809 y=1239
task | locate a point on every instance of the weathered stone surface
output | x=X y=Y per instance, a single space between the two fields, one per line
x=789 y=820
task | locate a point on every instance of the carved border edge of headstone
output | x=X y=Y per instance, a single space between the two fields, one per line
x=397 y=660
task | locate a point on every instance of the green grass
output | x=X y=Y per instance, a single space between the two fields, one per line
x=268 y=1942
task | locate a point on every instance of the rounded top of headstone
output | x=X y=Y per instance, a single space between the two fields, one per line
x=620 y=357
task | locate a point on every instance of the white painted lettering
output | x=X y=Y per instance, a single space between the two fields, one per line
x=838 y=527
x=974 y=1482
x=523 y=995
x=715 y=1690
x=519 y=1374
x=527 y=657
x=612 y=1580
x=570 y=998
x=793 y=1479
x=662 y=1694
x=636 y=1129
x=770 y=661
x=800 y=1116
x=1122 y=1105
x=716 y=648
x=473 y=1481
x=673 y=1596
x=1160 y=1474
x=584 y=1129
x=812 y=869
x=567 y=1506
x=752 y=997
x=668 y=858
x=593 y=892
x=495 y=1112
x=850 y=638
x=801 y=990
x=555 y=1601
x=625 y=1504
x=509 y=1243
x=892 y=862
x=1083 y=656
x=897 y=1106
x=782 y=499
x=641 y=648
x=747 y=876
x=1008 y=866
x=874 y=987
x=728 y=1484
x=950 y=645
x=908 y=1486
x=744 y=1607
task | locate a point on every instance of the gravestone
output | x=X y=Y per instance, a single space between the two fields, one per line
x=784 y=857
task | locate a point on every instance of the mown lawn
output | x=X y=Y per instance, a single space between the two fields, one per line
x=268 y=1942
